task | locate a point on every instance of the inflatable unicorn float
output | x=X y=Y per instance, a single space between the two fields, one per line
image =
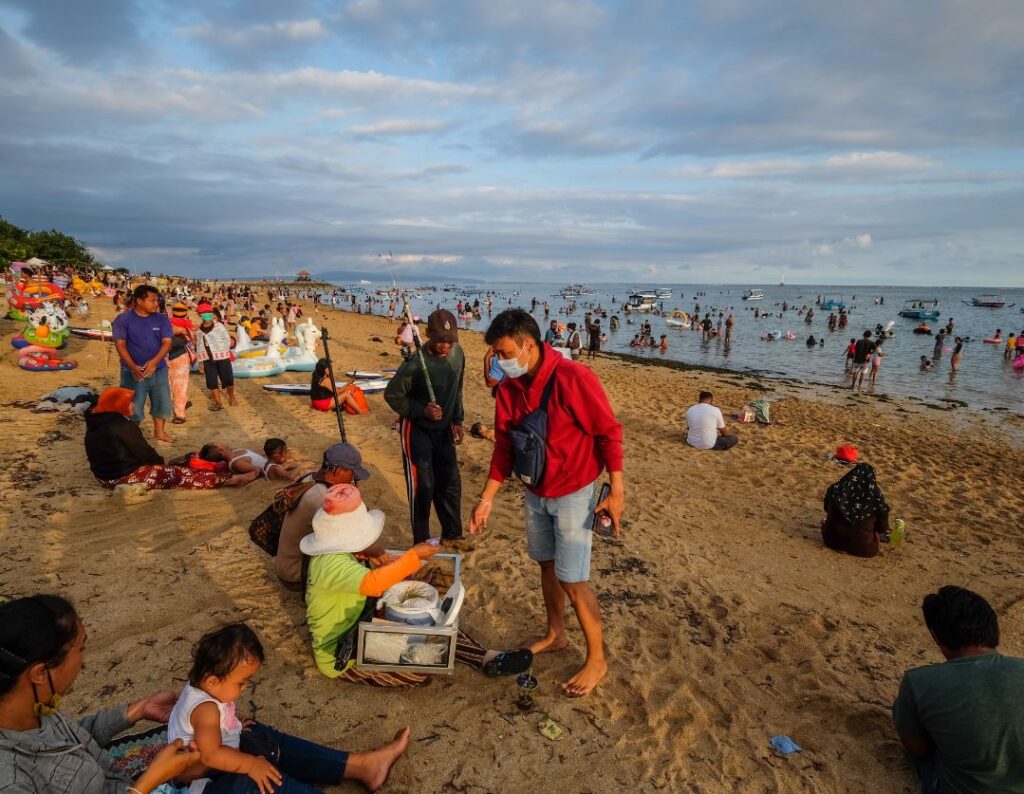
x=274 y=357
x=47 y=330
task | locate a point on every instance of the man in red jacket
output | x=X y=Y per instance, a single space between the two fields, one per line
x=583 y=439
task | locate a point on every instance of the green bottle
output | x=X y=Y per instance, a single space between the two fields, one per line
x=899 y=527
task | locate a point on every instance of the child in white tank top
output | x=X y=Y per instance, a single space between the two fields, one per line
x=225 y=660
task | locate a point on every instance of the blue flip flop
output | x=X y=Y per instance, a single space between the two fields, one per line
x=509 y=663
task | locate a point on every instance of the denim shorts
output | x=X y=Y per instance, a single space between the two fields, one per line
x=158 y=388
x=559 y=530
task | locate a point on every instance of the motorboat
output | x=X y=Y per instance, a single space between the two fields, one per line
x=644 y=301
x=753 y=295
x=664 y=293
x=921 y=309
x=988 y=302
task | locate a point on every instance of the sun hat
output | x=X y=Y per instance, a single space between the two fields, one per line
x=115 y=400
x=847 y=453
x=345 y=456
x=343 y=524
x=442 y=326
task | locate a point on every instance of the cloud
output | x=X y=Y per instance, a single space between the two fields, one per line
x=850 y=165
x=391 y=127
x=265 y=34
x=82 y=32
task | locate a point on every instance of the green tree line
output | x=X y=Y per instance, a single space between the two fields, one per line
x=18 y=245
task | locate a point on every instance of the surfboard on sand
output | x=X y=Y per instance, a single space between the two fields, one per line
x=359 y=374
x=375 y=386
x=93 y=333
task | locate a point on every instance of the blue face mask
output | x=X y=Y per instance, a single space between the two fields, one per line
x=512 y=366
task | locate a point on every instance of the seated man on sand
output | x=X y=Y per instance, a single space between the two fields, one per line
x=119 y=454
x=961 y=720
x=345 y=539
x=705 y=425
x=341 y=464
x=856 y=513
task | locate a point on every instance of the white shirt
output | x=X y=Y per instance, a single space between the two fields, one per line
x=179 y=726
x=702 y=423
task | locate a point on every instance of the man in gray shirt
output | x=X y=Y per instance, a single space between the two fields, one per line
x=342 y=463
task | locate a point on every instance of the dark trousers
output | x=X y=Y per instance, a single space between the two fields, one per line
x=431 y=478
x=726 y=442
x=301 y=763
x=218 y=370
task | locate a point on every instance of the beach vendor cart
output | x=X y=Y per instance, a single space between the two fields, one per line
x=413 y=626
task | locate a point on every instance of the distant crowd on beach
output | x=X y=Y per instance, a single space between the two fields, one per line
x=554 y=431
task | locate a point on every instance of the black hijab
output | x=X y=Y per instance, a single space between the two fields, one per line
x=857 y=495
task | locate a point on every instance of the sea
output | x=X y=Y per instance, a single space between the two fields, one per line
x=985 y=380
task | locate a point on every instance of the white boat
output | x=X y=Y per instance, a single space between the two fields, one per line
x=753 y=295
x=643 y=301
x=664 y=293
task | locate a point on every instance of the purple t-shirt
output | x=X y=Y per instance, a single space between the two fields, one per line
x=143 y=335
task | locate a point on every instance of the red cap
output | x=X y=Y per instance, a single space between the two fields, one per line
x=847 y=453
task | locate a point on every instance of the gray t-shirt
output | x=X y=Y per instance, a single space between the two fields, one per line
x=972 y=711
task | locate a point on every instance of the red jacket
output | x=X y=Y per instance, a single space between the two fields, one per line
x=584 y=437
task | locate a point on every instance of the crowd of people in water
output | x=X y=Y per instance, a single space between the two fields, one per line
x=554 y=430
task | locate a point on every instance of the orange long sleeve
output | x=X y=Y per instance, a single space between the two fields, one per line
x=380 y=579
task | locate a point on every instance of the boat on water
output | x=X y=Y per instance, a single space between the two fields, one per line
x=834 y=304
x=988 y=302
x=575 y=291
x=753 y=295
x=663 y=293
x=921 y=309
x=643 y=301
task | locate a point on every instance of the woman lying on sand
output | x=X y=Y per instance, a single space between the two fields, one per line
x=119 y=454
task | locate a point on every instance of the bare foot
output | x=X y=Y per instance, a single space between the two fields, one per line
x=549 y=643
x=165 y=438
x=377 y=764
x=586 y=679
x=232 y=402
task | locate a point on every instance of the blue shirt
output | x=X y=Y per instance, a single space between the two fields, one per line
x=143 y=336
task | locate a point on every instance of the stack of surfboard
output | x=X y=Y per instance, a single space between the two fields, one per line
x=369 y=382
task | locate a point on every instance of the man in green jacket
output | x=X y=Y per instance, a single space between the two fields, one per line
x=430 y=430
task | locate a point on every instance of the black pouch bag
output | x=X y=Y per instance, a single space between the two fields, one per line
x=529 y=440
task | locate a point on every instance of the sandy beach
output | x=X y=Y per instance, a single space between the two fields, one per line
x=726 y=620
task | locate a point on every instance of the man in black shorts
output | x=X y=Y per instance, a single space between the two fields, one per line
x=862 y=360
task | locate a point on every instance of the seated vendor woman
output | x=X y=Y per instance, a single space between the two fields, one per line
x=339 y=585
x=322 y=389
x=119 y=454
x=856 y=513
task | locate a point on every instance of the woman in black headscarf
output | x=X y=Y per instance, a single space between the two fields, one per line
x=856 y=513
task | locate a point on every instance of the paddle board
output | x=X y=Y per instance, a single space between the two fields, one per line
x=359 y=374
x=93 y=333
x=375 y=386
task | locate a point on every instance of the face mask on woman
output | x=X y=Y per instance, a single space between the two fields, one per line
x=512 y=366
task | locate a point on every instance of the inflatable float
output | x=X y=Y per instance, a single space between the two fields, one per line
x=994 y=340
x=36 y=359
x=923 y=329
x=27 y=296
x=1018 y=363
x=303 y=357
x=245 y=348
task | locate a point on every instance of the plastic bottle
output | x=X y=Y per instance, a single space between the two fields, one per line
x=899 y=527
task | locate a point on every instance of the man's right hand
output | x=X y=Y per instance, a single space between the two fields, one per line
x=433 y=412
x=478 y=520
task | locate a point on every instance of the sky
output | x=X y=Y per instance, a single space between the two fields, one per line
x=712 y=141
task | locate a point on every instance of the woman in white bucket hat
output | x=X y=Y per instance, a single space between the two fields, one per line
x=339 y=585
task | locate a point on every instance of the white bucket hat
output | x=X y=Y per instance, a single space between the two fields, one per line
x=342 y=524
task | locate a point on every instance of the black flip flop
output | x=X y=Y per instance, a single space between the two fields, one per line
x=509 y=663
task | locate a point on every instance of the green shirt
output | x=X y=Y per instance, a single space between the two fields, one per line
x=972 y=711
x=333 y=604
x=407 y=391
